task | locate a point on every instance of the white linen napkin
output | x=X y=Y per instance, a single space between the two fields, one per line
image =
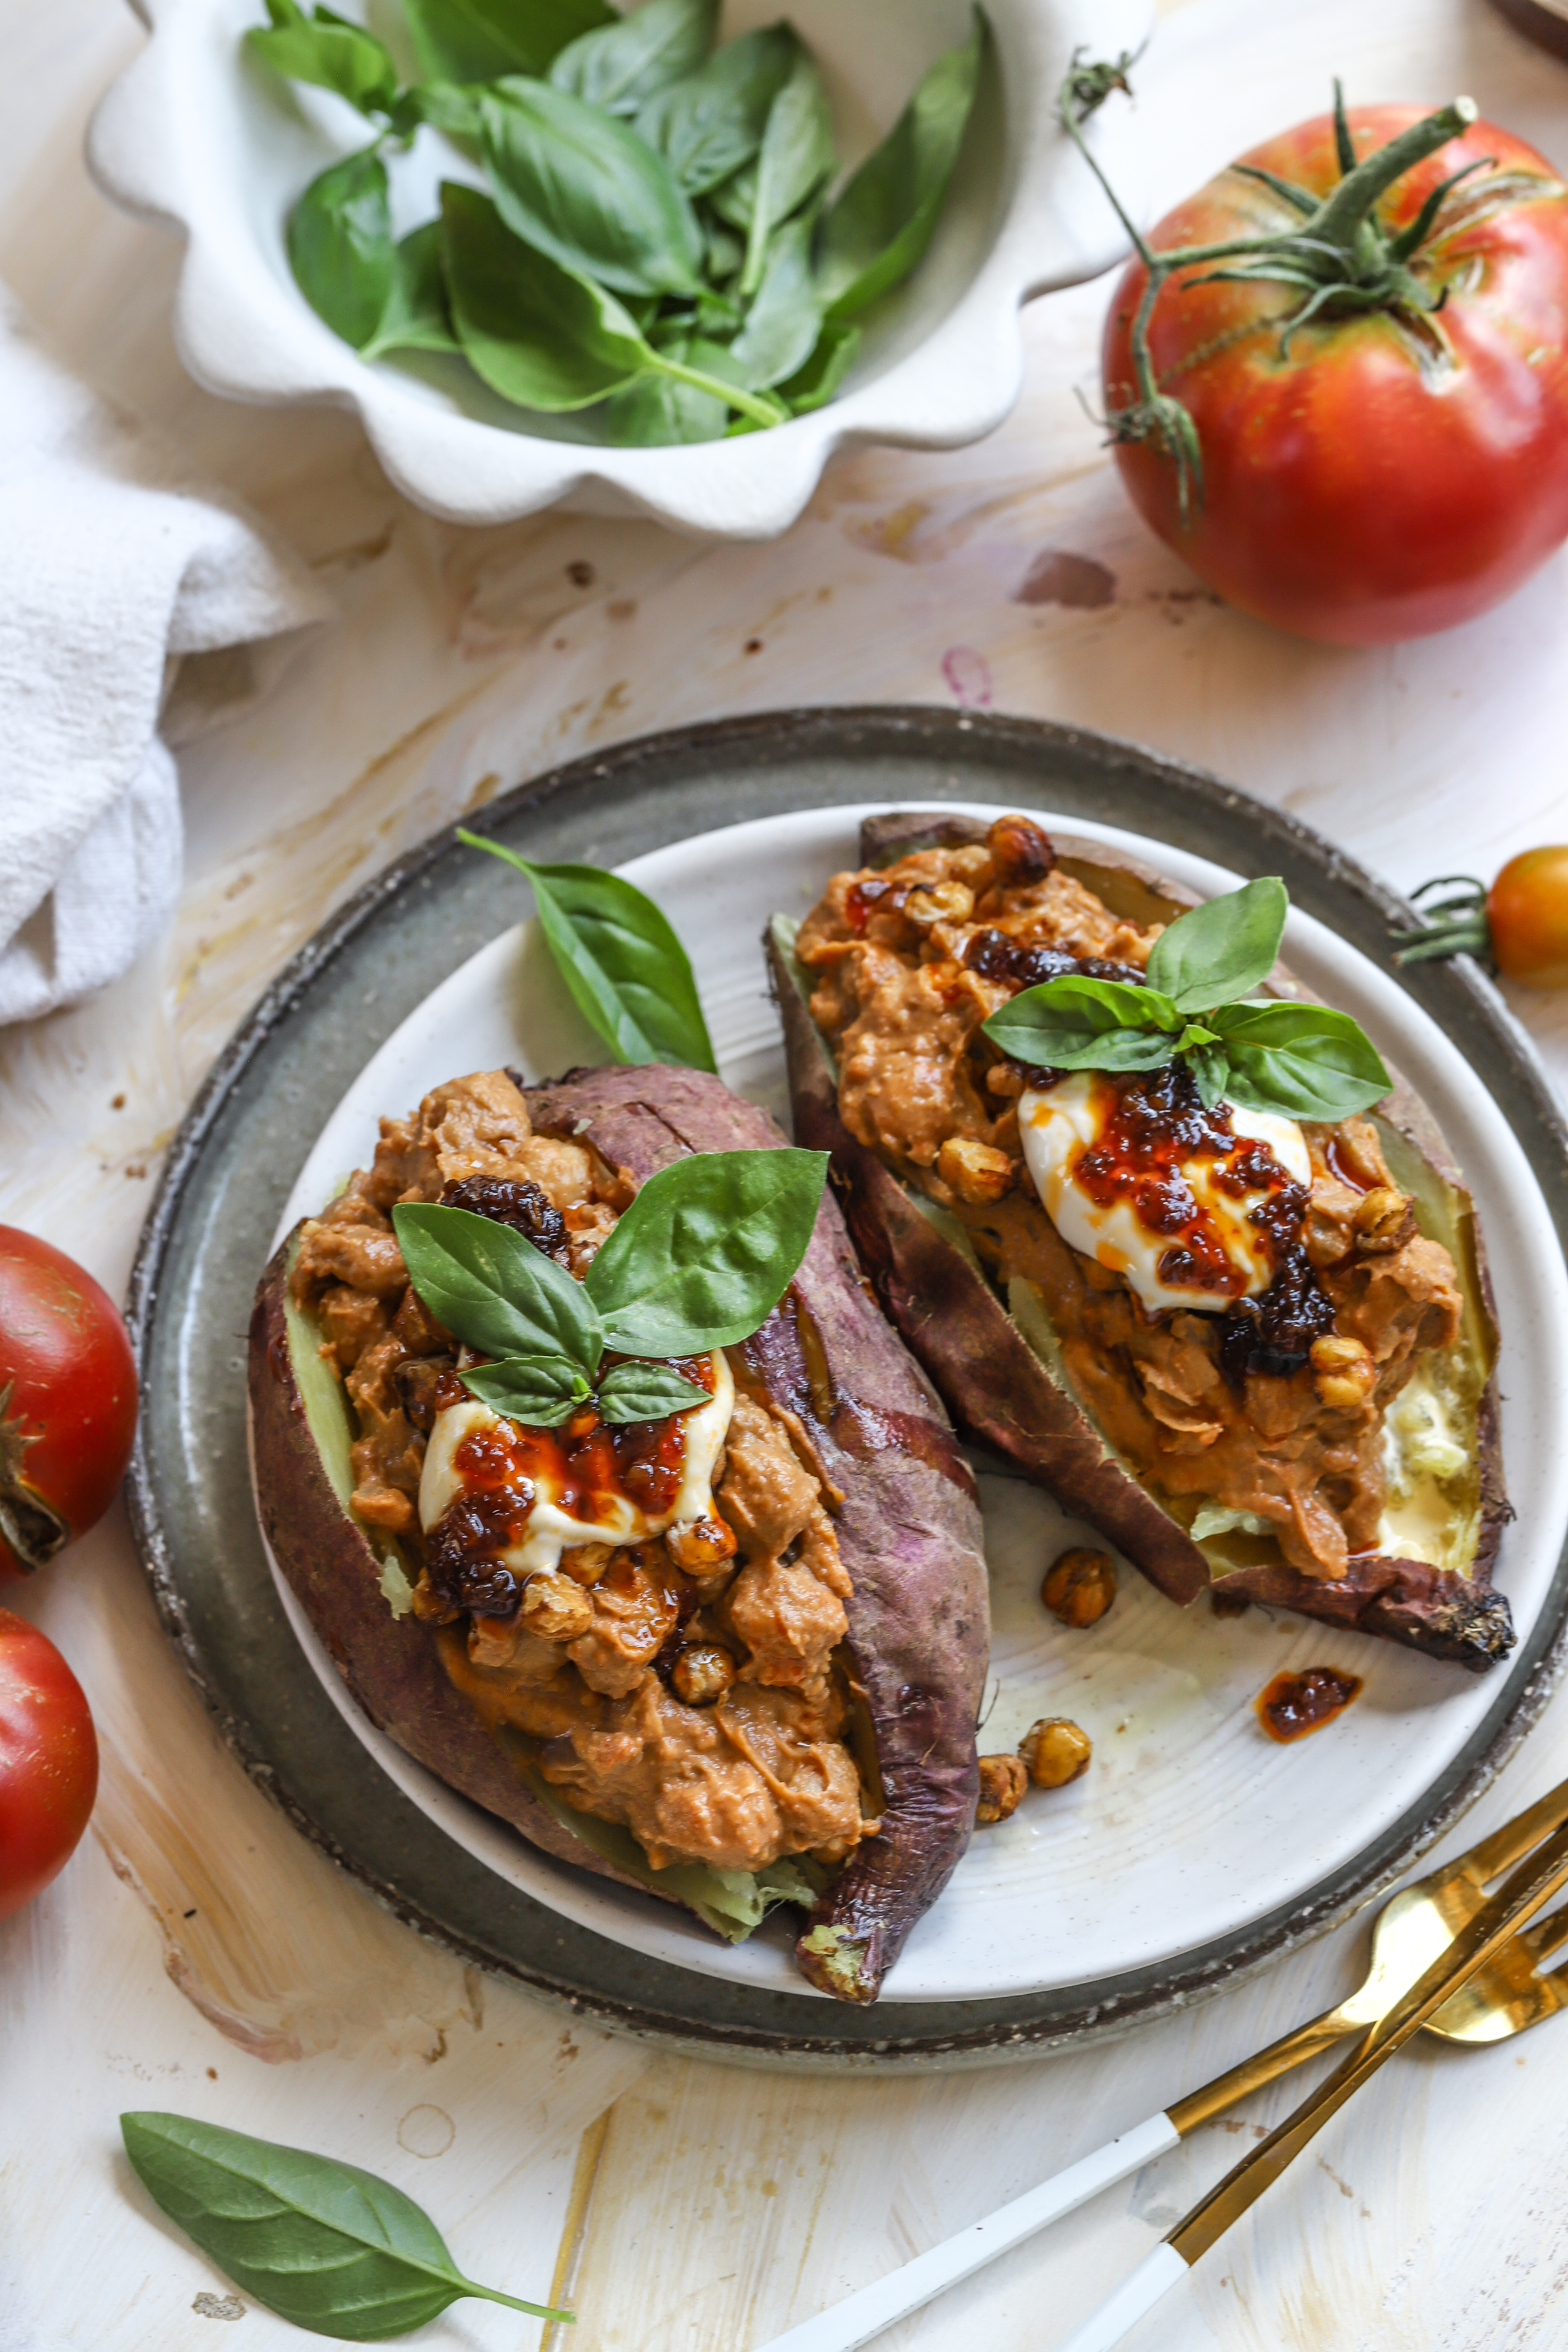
x=111 y=567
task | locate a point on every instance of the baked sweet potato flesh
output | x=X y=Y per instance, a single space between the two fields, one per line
x=1005 y=1380
x=826 y=1369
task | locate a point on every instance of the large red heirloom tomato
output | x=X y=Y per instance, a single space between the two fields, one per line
x=68 y=1402
x=1397 y=462
x=49 y=1763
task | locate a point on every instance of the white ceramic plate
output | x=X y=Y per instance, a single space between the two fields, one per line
x=195 y=135
x=1191 y=1824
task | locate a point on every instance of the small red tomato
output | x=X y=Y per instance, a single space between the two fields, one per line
x=68 y=1402
x=1396 y=461
x=49 y=1763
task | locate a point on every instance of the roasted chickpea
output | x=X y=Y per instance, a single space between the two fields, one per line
x=978 y=1173
x=1003 y=1781
x=1080 y=1586
x=1022 y=852
x=1342 y=1371
x=1384 y=1220
x=585 y=1563
x=939 y=902
x=700 y=1546
x=1055 y=1751
x=702 y=1673
x=554 y=1609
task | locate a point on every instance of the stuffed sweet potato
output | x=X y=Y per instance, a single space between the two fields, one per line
x=764 y=1684
x=1329 y=1446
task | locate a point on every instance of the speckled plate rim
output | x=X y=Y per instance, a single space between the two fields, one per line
x=638 y=796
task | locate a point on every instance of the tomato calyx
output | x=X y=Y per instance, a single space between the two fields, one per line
x=32 y=1528
x=1344 y=261
x=1456 y=925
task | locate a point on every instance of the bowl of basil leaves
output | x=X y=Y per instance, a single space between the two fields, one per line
x=661 y=261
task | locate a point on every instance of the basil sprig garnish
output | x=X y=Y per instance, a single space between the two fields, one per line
x=703 y=1254
x=322 y=2243
x=658 y=238
x=629 y=976
x=1298 y=1061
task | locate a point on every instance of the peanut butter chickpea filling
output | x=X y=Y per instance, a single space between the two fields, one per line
x=1278 y=1414
x=689 y=1687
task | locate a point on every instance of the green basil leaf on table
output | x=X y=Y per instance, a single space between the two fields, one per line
x=623 y=65
x=643 y=1391
x=1079 y=1023
x=321 y=2243
x=582 y=187
x=542 y=1391
x=538 y=334
x=794 y=160
x=815 y=384
x=329 y=52
x=478 y=40
x=416 y=318
x=1302 y=1061
x=705 y=1251
x=493 y=1291
x=1221 y=950
x=341 y=248
x=783 y=322
x=709 y=123
x=879 y=226
x=628 y=974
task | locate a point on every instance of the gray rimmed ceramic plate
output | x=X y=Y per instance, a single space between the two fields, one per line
x=729 y=810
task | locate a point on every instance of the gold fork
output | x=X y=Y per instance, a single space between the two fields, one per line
x=1414 y=1930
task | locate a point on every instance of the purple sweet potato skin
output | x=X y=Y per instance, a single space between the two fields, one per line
x=908 y=1524
x=392 y=1665
x=1001 y=1391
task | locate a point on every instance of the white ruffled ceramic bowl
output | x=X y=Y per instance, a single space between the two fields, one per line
x=194 y=134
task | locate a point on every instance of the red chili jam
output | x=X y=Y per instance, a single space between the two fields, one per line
x=864 y=898
x=1157 y=1124
x=586 y=1465
x=1293 y=1705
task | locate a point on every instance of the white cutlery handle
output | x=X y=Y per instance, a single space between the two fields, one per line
x=1154 y=2276
x=860 y=2316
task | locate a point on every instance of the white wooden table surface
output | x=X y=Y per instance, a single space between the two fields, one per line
x=198 y=1954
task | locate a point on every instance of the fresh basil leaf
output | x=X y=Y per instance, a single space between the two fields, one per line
x=658 y=412
x=329 y=53
x=783 y=322
x=448 y=107
x=538 y=334
x=478 y=40
x=796 y=157
x=725 y=255
x=813 y=385
x=541 y=1392
x=322 y=2243
x=644 y=1392
x=339 y=246
x=623 y=65
x=579 y=185
x=1210 y=1070
x=710 y=122
x=881 y=221
x=629 y=973
x=1079 y=1023
x=492 y=1290
x=1221 y=950
x=1303 y=1061
x=705 y=1251
x=416 y=318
